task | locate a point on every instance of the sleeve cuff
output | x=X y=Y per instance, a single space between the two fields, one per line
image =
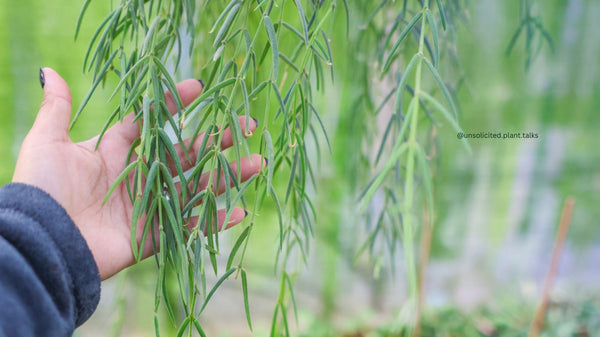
x=82 y=269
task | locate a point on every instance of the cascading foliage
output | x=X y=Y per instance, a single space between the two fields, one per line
x=263 y=59
x=412 y=45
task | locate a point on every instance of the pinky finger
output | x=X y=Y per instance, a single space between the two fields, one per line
x=237 y=215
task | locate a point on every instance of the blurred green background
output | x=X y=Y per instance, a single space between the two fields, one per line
x=497 y=208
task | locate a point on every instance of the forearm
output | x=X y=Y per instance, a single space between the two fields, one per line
x=49 y=282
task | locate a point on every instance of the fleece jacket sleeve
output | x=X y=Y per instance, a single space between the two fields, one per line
x=49 y=282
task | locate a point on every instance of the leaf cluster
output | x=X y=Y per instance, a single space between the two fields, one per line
x=141 y=43
x=532 y=28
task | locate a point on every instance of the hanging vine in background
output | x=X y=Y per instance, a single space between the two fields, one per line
x=266 y=60
x=411 y=39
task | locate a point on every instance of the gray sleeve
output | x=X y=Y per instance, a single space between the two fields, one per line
x=49 y=282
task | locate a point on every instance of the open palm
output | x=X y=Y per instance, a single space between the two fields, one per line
x=78 y=177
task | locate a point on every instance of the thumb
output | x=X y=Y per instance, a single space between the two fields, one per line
x=52 y=121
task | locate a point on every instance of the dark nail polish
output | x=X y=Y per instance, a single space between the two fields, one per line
x=255 y=121
x=202 y=83
x=42 y=78
x=266 y=161
x=245 y=213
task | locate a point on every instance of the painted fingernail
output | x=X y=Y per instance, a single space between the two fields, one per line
x=266 y=161
x=42 y=78
x=245 y=213
x=255 y=121
x=201 y=83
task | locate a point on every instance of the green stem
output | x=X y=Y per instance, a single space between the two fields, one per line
x=408 y=225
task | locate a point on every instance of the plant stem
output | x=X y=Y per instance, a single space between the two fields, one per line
x=408 y=231
x=424 y=250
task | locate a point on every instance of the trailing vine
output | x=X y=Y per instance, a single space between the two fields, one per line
x=141 y=43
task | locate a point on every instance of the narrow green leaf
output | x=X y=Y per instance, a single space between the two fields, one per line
x=368 y=195
x=514 y=38
x=222 y=15
x=291 y=180
x=93 y=40
x=236 y=246
x=403 y=34
x=258 y=89
x=448 y=116
x=403 y=81
x=149 y=182
x=148 y=223
x=146 y=137
x=323 y=130
x=289 y=62
x=442 y=86
x=303 y=20
x=274 y=48
x=242 y=188
x=274 y=321
x=118 y=180
x=434 y=33
x=80 y=17
x=149 y=39
x=136 y=214
x=442 y=13
x=291 y=290
x=282 y=106
x=293 y=30
x=246 y=102
x=168 y=145
x=130 y=188
x=270 y=156
x=168 y=80
x=545 y=35
x=175 y=228
x=347 y=11
x=156 y=329
x=193 y=202
x=285 y=321
x=246 y=302
x=210 y=91
x=329 y=53
x=112 y=116
x=102 y=32
x=226 y=24
x=215 y=287
x=399 y=18
x=279 y=215
x=370 y=241
x=85 y=101
x=228 y=178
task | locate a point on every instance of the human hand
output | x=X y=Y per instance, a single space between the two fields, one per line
x=78 y=177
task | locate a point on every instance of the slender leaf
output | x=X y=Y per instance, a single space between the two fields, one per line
x=246 y=302
x=274 y=46
x=215 y=287
x=403 y=34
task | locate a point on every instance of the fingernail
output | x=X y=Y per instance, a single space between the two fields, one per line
x=266 y=161
x=201 y=83
x=245 y=213
x=42 y=78
x=255 y=121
